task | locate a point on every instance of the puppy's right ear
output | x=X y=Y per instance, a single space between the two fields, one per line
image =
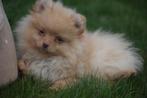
x=41 y=5
x=79 y=22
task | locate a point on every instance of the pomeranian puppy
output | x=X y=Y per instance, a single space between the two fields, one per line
x=53 y=44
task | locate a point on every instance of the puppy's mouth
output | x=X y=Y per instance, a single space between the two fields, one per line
x=46 y=52
x=43 y=50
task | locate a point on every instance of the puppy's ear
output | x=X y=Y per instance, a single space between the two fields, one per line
x=41 y=5
x=79 y=22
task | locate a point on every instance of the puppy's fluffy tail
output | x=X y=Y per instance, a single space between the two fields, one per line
x=114 y=56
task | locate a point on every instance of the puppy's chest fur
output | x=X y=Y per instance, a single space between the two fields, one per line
x=53 y=68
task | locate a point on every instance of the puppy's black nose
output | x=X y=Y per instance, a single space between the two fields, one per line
x=45 y=45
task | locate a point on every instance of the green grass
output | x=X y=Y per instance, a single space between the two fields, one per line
x=124 y=16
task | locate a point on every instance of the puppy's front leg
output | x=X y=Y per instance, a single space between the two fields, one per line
x=22 y=65
x=24 y=62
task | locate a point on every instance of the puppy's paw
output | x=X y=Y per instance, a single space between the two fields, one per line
x=22 y=65
x=123 y=74
x=60 y=84
x=128 y=73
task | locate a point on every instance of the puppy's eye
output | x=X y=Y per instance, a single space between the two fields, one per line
x=59 y=39
x=41 y=32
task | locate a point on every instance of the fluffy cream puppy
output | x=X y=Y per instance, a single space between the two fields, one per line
x=54 y=44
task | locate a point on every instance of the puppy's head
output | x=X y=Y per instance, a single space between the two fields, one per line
x=50 y=27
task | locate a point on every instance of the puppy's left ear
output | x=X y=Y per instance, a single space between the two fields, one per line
x=41 y=5
x=79 y=23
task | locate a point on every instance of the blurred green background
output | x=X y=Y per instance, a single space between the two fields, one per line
x=118 y=16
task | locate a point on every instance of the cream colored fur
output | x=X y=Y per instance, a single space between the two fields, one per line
x=103 y=54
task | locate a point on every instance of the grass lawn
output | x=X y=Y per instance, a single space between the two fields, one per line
x=124 y=16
